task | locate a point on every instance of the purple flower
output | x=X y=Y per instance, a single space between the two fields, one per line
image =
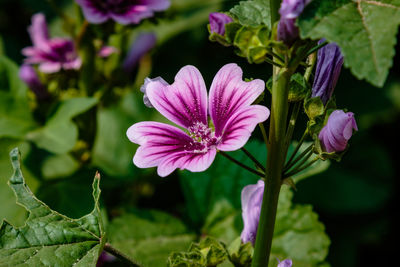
x=185 y=103
x=337 y=131
x=106 y=51
x=143 y=44
x=122 y=11
x=329 y=64
x=252 y=196
x=285 y=263
x=290 y=10
x=52 y=55
x=218 y=21
x=104 y=258
x=28 y=74
x=143 y=89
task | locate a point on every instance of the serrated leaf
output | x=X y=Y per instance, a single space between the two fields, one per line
x=60 y=134
x=149 y=236
x=49 y=238
x=253 y=13
x=365 y=31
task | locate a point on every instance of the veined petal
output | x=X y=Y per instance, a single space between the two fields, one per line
x=168 y=148
x=229 y=93
x=240 y=125
x=185 y=101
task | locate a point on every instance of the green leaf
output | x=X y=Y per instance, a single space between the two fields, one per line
x=298 y=234
x=253 y=13
x=15 y=116
x=57 y=166
x=49 y=238
x=149 y=236
x=365 y=31
x=60 y=134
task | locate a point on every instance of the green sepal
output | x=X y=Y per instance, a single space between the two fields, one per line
x=314 y=107
x=241 y=254
x=49 y=238
x=229 y=36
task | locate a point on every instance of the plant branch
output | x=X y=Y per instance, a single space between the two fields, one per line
x=301 y=168
x=124 y=258
x=315 y=48
x=241 y=164
x=297 y=148
x=299 y=157
x=259 y=165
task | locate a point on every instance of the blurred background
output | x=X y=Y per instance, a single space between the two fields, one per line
x=356 y=199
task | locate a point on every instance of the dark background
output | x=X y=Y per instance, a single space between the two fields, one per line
x=357 y=199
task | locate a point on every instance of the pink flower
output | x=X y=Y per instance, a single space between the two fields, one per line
x=52 y=55
x=285 y=263
x=185 y=103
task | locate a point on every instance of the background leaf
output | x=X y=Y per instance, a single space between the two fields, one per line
x=365 y=31
x=253 y=13
x=49 y=238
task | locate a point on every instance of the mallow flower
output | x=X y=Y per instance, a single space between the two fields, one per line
x=143 y=88
x=28 y=74
x=52 y=55
x=185 y=103
x=217 y=22
x=285 y=263
x=121 y=11
x=337 y=131
x=289 y=11
x=144 y=42
x=252 y=196
x=329 y=64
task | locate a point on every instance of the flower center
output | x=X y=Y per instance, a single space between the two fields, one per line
x=203 y=138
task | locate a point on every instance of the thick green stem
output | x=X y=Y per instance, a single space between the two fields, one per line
x=275 y=161
x=274 y=7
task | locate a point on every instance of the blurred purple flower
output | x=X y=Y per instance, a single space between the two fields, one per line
x=218 y=21
x=289 y=11
x=107 y=51
x=185 y=102
x=337 y=131
x=143 y=44
x=329 y=64
x=143 y=89
x=52 y=55
x=104 y=258
x=252 y=196
x=28 y=74
x=285 y=263
x=122 y=11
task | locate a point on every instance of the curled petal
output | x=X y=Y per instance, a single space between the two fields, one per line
x=168 y=148
x=217 y=22
x=185 y=101
x=229 y=93
x=239 y=127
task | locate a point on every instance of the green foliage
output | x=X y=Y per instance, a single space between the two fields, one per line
x=253 y=13
x=298 y=87
x=60 y=134
x=15 y=117
x=49 y=238
x=241 y=254
x=149 y=236
x=364 y=30
x=57 y=166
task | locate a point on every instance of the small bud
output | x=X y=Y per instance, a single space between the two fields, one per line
x=218 y=21
x=143 y=44
x=337 y=131
x=289 y=11
x=106 y=51
x=329 y=64
x=285 y=263
x=28 y=74
x=252 y=196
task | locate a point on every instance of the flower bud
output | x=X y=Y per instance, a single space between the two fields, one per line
x=106 y=51
x=289 y=11
x=218 y=21
x=252 y=196
x=329 y=64
x=28 y=74
x=337 y=131
x=143 y=44
x=285 y=263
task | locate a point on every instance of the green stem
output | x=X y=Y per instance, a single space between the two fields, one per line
x=241 y=164
x=264 y=134
x=297 y=148
x=275 y=161
x=124 y=258
x=292 y=124
x=289 y=164
x=274 y=7
x=301 y=168
x=300 y=159
x=259 y=165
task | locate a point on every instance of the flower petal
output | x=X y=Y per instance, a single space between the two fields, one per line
x=185 y=101
x=38 y=31
x=229 y=93
x=240 y=125
x=168 y=148
x=93 y=13
x=157 y=5
x=50 y=67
